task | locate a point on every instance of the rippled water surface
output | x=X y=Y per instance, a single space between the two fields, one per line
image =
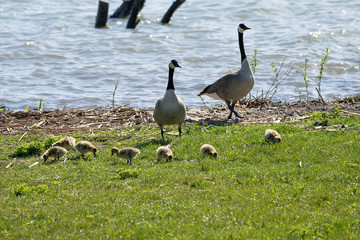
x=50 y=50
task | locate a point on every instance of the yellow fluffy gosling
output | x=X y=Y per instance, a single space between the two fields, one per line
x=84 y=147
x=66 y=142
x=127 y=152
x=56 y=152
x=208 y=150
x=164 y=152
x=272 y=136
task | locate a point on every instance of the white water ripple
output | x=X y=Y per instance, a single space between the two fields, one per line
x=51 y=50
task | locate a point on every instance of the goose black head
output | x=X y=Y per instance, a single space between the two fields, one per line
x=173 y=64
x=242 y=27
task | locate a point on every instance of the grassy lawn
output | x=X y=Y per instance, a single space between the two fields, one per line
x=254 y=190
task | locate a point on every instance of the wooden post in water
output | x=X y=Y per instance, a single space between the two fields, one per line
x=137 y=6
x=102 y=13
x=176 y=4
x=124 y=10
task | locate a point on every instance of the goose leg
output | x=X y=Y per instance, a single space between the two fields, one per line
x=231 y=109
x=235 y=112
x=179 y=130
x=162 y=133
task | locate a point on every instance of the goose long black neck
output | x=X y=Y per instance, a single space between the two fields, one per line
x=241 y=45
x=171 y=81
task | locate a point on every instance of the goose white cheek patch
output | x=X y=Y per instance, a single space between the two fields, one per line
x=171 y=65
x=241 y=30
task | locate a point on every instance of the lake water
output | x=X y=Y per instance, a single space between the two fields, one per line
x=50 y=50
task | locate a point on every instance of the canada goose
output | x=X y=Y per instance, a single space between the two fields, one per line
x=164 y=152
x=128 y=153
x=66 y=142
x=208 y=150
x=272 y=136
x=56 y=152
x=170 y=110
x=233 y=86
x=84 y=147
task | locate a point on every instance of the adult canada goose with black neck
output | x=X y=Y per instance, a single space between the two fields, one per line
x=170 y=110
x=233 y=86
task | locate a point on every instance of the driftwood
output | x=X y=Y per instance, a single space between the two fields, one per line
x=176 y=4
x=102 y=13
x=34 y=164
x=125 y=9
x=136 y=8
x=9 y=165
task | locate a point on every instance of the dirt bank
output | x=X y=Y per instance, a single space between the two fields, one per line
x=79 y=120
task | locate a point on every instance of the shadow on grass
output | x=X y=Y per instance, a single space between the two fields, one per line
x=157 y=142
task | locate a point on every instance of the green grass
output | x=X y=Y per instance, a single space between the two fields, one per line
x=254 y=190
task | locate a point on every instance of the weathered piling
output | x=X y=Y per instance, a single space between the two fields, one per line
x=176 y=4
x=102 y=13
x=136 y=7
x=124 y=10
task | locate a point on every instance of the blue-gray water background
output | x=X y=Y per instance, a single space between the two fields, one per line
x=50 y=50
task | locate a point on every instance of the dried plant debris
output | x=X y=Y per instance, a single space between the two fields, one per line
x=81 y=120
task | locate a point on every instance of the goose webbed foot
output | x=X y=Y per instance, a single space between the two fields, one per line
x=238 y=115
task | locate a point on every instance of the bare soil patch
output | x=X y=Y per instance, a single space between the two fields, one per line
x=60 y=122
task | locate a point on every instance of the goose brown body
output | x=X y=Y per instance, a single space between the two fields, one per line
x=233 y=86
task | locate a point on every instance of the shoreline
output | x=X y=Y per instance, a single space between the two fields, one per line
x=59 y=122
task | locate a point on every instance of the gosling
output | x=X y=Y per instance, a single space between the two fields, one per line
x=164 y=152
x=66 y=142
x=84 y=147
x=272 y=136
x=128 y=153
x=208 y=150
x=56 y=152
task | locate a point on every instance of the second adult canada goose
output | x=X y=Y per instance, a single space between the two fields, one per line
x=170 y=110
x=233 y=86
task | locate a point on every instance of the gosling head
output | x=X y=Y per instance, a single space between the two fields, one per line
x=242 y=28
x=45 y=157
x=173 y=64
x=114 y=150
x=277 y=139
